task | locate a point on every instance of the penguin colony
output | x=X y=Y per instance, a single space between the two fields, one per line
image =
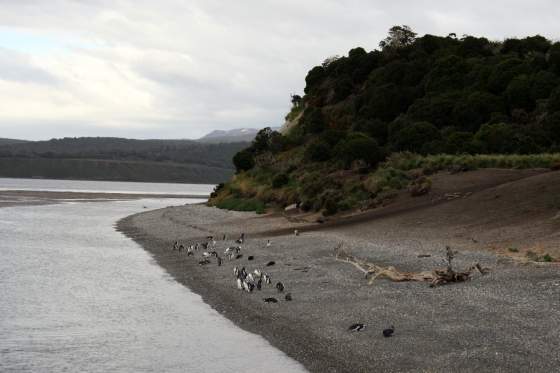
x=245 y=280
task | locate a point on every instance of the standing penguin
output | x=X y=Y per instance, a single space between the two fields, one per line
x=280 y=287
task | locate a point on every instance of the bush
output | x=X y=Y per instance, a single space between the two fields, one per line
x=359 y=147
x=280 y=180
x=243 y=161
x=318 y=151
x=414 y=137
x=242 y=204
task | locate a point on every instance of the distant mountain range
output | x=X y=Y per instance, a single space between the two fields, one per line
x=234 y=135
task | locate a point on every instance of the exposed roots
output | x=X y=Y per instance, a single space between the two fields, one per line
x=435 y=277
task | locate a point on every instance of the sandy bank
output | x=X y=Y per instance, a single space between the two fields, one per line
x=507 y=321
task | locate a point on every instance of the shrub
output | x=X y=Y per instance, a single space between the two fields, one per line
x=414 y=137
x=318 y=151
x=243 y=161
x=280 y=180
x=359 y=147
x=242 y=204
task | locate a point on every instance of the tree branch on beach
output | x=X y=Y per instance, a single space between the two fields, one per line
x=435 y=277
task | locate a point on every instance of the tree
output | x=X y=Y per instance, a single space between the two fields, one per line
x=399 y=36
x=358 y=146
x=415 y=136
x=243 y=161
x=296 y=100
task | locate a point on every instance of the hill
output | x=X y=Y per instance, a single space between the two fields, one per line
x=103 y=158
x=225 y=136
x=4 y=141
x=371 y=123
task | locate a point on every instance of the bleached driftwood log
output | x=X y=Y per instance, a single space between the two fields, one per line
x=435 y=277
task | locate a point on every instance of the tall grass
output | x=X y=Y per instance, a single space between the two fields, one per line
x=409 y=161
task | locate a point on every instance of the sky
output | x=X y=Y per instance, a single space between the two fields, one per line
x=182 y=68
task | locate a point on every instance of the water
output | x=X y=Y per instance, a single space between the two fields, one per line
x=104 y=186
x=78 y=296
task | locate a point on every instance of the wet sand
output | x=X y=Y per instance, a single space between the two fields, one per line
x=506 y=321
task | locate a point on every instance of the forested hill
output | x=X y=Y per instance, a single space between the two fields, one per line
x=411 y=96
x=104 y=158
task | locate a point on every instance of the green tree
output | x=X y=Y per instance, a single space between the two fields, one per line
x=399 y=36
x=243 y=161
x=415 y=136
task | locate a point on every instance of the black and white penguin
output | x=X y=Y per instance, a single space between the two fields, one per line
x=239 y=256
x=358 y=327
x=219 y=261
x=239 y=284
x=288 y=297
x=271 y=300
x=389 y=331
x=280 y=287
x=271 y=263
x=259 y=284
x=268 y=243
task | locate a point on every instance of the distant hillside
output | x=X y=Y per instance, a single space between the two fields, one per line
x=403 y=104
x=104 y=158
x=226 y=136
x=4 y=141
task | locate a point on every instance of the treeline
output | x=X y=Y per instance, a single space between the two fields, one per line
x=413 y=96
x=108 y=148
x=112 y=170
x=436 y=94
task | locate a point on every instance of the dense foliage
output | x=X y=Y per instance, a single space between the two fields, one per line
x=424 y=95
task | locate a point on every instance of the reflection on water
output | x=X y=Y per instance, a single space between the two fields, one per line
x=78 y=296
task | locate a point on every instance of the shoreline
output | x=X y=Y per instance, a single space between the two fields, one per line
x=9 y=198
x=329 y=296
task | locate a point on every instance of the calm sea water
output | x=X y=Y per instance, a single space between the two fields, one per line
x=75 y=295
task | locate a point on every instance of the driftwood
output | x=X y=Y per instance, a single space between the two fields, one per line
x=435 y=277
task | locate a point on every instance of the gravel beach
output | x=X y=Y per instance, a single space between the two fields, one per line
x=505 y=321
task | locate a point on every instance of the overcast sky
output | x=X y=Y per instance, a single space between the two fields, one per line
x=181 y=68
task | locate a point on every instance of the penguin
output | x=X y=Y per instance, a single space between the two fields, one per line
x=280 y=287
x=288 y=297
x=268 y=243
x=271 y=263
x=271 y=300
x=239 y=284
x=358 y=327
x=389 y=331
x=224 y=237
x=296 y=232
x=250 y=257
x=236 y=271
x=257 y=273
x=204 y=262
x=259 y=284
x=239 y=256
x=219 y=261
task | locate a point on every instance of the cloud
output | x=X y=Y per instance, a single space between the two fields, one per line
x=146 y=68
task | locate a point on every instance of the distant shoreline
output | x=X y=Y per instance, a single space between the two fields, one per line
x=10 y=198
